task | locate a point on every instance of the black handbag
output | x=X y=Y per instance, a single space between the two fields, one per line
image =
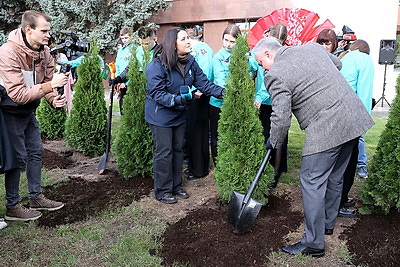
x=8 y=156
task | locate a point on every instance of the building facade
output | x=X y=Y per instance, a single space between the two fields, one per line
x=371 y=22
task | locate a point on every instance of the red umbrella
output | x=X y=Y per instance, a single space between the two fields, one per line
x=300 y=24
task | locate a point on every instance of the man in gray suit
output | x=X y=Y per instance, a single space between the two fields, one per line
x=305 y=80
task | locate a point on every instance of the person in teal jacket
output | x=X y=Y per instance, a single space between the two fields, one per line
x=221 y=71
x=148 y=42
x=358 y=70
x=263 y=102
x=124 y=55
x=197 y=125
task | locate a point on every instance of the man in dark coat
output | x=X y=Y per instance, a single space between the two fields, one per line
x=305 y=80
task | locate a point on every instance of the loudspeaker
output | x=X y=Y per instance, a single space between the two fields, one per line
x=387 y=52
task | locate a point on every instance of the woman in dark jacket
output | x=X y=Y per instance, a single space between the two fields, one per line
x=169 y=75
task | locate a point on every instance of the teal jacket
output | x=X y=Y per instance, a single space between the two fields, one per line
x=221 y=71
x=140 y=56
x=124 y=54
x=358 y=70
x=203 y=54
x=76 y=62
x=262 y=95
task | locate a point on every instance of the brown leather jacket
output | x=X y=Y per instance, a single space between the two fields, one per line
x=25 y=75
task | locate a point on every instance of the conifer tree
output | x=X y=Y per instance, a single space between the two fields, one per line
x=51 y=120
x=241 y=147
x=86 y=127
x=133 y=145
x=381 y=191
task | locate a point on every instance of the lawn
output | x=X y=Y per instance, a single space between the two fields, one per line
x=127 y=235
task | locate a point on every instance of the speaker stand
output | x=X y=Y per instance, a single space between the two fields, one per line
x=383 y=98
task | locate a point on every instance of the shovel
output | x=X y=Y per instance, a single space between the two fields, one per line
x=104 y=159
x=243 y=210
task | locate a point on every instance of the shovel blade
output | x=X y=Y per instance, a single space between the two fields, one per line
x=242 y=216
x=102 y=164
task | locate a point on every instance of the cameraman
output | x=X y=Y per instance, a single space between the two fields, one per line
x=26 y=75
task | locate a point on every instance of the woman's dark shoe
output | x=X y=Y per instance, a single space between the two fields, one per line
x=191 y=177
x=168 y=198
x=181 y=194
x=349 y=203
x=328 y=231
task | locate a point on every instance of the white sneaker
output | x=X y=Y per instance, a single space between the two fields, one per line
x=3 y=224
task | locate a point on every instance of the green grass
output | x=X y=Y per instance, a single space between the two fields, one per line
x=126 y=235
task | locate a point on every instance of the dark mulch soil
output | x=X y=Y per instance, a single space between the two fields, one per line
x=84 y=198
x=375 y=240
x=204 y=238
x=52 y=160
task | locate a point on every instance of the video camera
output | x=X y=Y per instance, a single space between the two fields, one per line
x=348 y=35
x=70 y=46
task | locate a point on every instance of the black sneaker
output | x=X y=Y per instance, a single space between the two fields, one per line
x=349 y=203
x=347 y=213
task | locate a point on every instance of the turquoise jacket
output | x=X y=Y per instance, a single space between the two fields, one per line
x=358 y=69
x=221 y=71
x=262 y=95
x=124 y=54
x=76 y=62
x=203 y=54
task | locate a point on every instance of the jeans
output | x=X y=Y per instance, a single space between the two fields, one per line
x=25 y=136
x=362 y=153
x=167 y=158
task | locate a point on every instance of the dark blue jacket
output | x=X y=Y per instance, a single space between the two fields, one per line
x=164 y=107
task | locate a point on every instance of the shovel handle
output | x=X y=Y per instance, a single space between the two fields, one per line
x=257 y=177
x=113 y=69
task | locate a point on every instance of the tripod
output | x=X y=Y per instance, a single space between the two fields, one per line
x=383 y=91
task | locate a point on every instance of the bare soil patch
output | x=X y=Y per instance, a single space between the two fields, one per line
x=198 y=233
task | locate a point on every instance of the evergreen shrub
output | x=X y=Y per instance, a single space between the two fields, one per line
x=86 y=127
x=133 y=145
x=241 y=147
x=51 y=120
x=381 y=191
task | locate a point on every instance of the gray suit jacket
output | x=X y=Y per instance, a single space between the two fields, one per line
x=306 y=80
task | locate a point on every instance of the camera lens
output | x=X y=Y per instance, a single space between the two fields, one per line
x=82 y=46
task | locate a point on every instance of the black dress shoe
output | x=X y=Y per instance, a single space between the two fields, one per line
x=347 y=213
x=300 y=248
x=328 y=231
x=168 y=198
x=349 y=203
x=181 y=194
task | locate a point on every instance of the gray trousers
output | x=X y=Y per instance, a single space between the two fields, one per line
x=321 y=178
x=167 y=158
x=25 y=136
